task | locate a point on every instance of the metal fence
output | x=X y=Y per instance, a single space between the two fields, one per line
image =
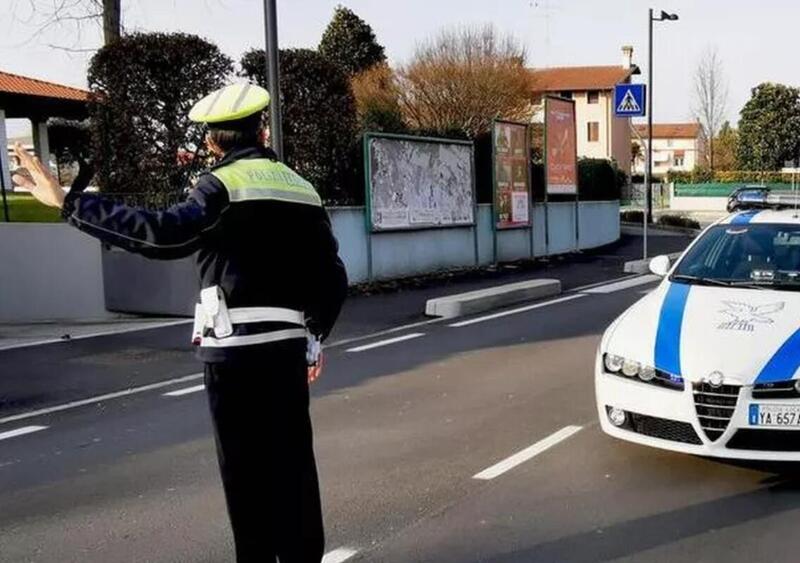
x=633 y=195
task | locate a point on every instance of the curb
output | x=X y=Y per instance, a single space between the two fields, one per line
x=665 y=228
x=642 y=266
x=491 y=298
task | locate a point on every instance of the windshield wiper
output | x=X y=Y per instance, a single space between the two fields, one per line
x=700 y=280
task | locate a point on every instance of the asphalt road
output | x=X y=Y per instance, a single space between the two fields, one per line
x=403 y=429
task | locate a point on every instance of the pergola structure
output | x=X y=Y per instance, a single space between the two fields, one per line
x=37 y=100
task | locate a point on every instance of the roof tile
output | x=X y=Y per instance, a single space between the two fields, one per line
x=556 y=79
x=16 y=84
x=671 y=130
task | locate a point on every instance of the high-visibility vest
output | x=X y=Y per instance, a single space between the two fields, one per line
x=254 y=179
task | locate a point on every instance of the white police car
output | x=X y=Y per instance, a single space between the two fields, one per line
x=708 y=363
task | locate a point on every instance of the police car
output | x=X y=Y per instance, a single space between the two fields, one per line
x=708 y=363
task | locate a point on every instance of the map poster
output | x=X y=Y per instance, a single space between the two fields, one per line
x=560 y=147
x=512 y=191
x=419 y=183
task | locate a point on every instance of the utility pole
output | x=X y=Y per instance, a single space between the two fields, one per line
x=648 y=183
x=664 y=16
x=112 y=20
x=273 y=76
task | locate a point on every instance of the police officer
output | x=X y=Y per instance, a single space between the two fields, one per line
x=270 y=276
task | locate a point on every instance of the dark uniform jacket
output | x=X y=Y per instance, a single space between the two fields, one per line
x=262 y=253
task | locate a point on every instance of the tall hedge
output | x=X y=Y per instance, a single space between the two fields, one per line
x=319 y=120
x=142 y=88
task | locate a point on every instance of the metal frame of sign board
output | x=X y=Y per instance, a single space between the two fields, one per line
x=529 y=225
x=577 y=190
x=370 y=230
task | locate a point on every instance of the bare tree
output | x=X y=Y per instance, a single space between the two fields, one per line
x=711 y=99
x=463 y=79
x=56 y=16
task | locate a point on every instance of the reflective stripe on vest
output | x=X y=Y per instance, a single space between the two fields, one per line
x=254 y=179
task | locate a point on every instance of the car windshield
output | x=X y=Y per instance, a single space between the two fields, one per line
x=754 y=255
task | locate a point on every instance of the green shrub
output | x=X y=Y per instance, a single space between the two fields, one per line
x=319 y=120
x=678 y=221
x=143 y=86
x=599 y=179
x=631 y=216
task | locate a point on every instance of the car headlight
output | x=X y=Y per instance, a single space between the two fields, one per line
x=631 y=368
x=613 y=363
x=621 y=366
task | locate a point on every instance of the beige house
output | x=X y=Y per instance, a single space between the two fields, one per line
x=676 y=147
x=599 y=133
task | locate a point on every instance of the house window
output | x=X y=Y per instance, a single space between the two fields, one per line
x=566 y=94
x=678 y=159
x=592 y=97
x=669 y=142
x=593 y=131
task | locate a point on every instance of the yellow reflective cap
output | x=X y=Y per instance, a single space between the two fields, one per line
x=229 y=103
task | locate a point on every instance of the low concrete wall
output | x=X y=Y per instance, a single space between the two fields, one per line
x=54 y=271
x=49 y=272
x=692 y=203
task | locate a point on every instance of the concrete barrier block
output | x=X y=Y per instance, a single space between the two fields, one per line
x=491 y=298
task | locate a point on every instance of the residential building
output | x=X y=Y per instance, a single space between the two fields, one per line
x=676 y=147
x=599 y=133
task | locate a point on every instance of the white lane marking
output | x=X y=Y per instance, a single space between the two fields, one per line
x=386 y=342
x=339 y=555
x=528 y=453
x=581 y=288
x=108 y=332
x=624 y=284
x=100 y=398
x=20 y=431
x=516 y=311
x=401 y=328
x=185 y=391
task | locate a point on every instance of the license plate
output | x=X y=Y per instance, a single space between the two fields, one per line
x=774 y=415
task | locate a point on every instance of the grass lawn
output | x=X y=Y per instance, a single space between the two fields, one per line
x=22 y=208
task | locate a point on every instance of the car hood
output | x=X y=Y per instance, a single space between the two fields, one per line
x=749 y=335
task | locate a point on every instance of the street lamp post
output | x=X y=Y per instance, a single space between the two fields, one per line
x=664 y=16
x=273 y=76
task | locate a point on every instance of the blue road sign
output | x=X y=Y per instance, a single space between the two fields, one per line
x=629 y=100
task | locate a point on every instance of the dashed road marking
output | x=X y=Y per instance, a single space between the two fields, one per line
x=100 y=398
x=516 y=311
x=185 y=391
x=20 y=432
x=527 y=454
x=386 y=342
x=339 y=555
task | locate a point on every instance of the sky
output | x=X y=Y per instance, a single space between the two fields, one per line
x=756 y=41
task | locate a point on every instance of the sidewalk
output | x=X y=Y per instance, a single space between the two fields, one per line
x=366 y=314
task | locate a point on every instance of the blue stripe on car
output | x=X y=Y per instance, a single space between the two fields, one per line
x=668 y=335
x=784 y=363
x=745 y=217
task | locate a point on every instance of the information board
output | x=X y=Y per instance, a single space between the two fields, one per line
x=561 y=170
x=512 y=186
x=418 y=183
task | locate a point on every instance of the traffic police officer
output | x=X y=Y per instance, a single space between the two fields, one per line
x=270 y=276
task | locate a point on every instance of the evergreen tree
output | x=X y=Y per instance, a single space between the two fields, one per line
x=350 y=43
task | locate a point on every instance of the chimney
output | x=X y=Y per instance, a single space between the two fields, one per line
x=627 y=56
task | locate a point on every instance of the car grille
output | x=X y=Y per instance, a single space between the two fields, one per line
x=715 y=406
x=663 y=428
x=766 y=440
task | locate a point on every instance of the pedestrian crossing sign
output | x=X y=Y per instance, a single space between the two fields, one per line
x=629 y=100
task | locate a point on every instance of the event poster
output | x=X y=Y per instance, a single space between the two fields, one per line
x=512 y=191
x=560 y=147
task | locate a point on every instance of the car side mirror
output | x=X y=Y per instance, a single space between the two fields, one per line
x=660 y=265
